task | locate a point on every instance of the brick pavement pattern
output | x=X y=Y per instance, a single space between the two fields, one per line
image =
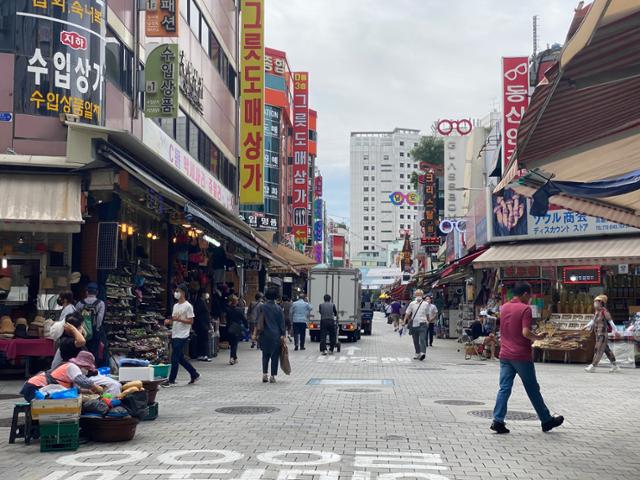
x=599 y=439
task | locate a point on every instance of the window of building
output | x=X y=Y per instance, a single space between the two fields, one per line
x=365 y=178
x=184 y=9
x=366 y=218
x=365 y=189
x=402 y=154
x=194 y=18
x=373 y=227
x=181 y=130
x=402 y=225
x=415 y=165
x=366 y=237
x=401 y=187
x=365 y=157
x=402 y=175
x=402 y=144
x=373 y=167
x=366 y=227
x=215 y=50
x=366 y=199
x=385 y=157
x=366 y=247
x=409 y=154
x=401 y=165
x=193 y=140
x=119 y=64
x=415 y=144
x=373 y=219
x=373 y=239
x=373 y=209
x=401 y=216
x=366 y=209
x=366 y=167
x=205 y=36
x=373 y=179
x=373 y=189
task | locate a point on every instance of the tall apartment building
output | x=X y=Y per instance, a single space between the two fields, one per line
x=381 y=165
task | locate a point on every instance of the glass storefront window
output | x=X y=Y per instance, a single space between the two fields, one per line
x=181 y=130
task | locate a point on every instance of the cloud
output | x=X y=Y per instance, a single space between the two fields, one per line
x=380 y=64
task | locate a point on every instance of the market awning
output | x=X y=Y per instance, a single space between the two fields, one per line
x=453 y=278
x=607 y=251
x=460 y=263
x=219 y=227
x=293 y=257
x=40 y=203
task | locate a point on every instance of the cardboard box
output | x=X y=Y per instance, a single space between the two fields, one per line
x=126 y=374
x=52 y=410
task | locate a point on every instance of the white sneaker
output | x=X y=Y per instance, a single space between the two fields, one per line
x=614 y=368
x=590 y=369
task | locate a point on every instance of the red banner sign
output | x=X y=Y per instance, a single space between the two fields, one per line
x=317 y=186
x=515 y=100
x=429 y=222
x=300 y=200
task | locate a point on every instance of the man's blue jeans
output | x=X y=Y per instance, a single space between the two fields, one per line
x=419 y=335
x=527 y=373
x=177 y=359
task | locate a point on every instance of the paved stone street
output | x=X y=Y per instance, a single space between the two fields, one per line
x=358 y=429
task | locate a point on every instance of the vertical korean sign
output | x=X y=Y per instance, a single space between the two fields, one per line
x=300 y=156
x=252 y=103
x=161 y=82
x=162 y=18
x=429 y=222
x=60 y=58
x=515 y=100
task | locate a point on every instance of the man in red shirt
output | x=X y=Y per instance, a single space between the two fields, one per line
x=516 y=338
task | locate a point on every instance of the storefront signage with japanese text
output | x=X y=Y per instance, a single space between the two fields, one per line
x=300 y=169
x=59 y=64
x=515 y=100
x=162 y=18
x=511 y=220
x=252 y=103
x=161 y=85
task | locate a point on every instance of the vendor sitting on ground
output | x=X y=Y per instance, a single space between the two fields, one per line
x=481 y=333
x=69 y=374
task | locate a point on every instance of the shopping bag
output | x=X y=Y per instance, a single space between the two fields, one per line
x=285 y=365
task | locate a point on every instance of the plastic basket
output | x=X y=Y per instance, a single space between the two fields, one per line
x=59 y=436
x=152 y=412
x=161 y=371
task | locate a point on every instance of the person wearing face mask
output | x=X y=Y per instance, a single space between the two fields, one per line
x=602 y=319
x=417 y=318
x=201 y=322
x=180 y=322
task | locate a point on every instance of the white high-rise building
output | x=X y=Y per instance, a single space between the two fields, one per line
x=380 y=165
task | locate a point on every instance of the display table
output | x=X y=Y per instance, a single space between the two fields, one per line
x=27 y=347
x=566 y=339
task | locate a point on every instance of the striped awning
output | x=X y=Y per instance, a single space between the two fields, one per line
x=607 y=251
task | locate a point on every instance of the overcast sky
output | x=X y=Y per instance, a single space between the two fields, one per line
x=380 y=64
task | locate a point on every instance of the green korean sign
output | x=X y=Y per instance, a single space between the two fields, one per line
x=162 y=82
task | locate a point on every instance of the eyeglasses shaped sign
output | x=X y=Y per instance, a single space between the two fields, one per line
x=446 y=127
x=398 y=198
x=447 y=226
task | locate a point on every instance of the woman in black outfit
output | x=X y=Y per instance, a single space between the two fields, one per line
x=201 y=324
x=236 y=325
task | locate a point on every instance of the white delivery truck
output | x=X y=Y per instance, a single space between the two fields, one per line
x=344 y=286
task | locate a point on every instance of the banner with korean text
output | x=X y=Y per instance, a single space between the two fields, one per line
x=60 y=59
x=515 y=100
x=162 y=18
x=300 y=171
x=252 y=103
x=161 y=82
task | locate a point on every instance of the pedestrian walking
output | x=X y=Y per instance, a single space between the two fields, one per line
x=286 y=310
x=601 y=320
x=417 y=318
x=432 y=316
x=201 y=322
x=92 y=310
x=236 y=325
x=328 y=318
x=271 y=332
x=516 y=339
x=180 y=322
x=252 y=317
x=394 y=314
x=300 y=310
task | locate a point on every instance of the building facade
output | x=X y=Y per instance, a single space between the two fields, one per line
x=383 y=202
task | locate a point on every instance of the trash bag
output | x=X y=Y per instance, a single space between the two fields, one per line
x=285 y=365
x=64 y=394
x=118 y=412
x=136 y=404
x=95 y=406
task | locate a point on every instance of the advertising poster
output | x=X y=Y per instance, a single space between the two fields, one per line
x=252 y=103
x=161 y=82
x=300 y=170
x=60 y=59
x=515 y=100
x=162 y=18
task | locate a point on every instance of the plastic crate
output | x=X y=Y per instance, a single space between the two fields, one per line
x=59 y=437
x=152 y=412
x=161 y=370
